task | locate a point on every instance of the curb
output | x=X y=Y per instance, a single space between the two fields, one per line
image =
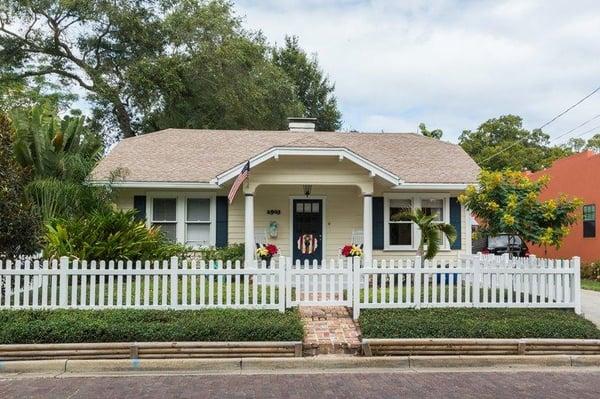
x=317 y=363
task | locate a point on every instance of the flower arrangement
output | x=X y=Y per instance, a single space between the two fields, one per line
x=351 y=250
x=266 y=251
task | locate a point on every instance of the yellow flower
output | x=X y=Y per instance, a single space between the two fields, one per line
x=493 y=206
x=356 y=251
x=548 y=237
x=262 y=251
x=512 y=202
x=508 y=219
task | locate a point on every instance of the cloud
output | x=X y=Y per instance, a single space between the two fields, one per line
x=450 y=64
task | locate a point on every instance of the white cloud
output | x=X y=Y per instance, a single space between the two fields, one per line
x=450 y=64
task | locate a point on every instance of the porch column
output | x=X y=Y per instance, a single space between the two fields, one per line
x=249 y=243
x=367 y=228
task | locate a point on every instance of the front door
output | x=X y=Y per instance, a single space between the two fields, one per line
x=308 y=229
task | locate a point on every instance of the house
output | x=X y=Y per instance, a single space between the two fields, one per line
x=308 y=192
x=578 y=176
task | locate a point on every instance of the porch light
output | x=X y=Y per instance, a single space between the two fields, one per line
x=307 y=189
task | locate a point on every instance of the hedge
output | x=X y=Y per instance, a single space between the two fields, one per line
x=126 y=325
x=475 y=323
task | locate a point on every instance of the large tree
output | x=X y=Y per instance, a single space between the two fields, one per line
x=502 y=143
x=314 y=89
x=148 y=64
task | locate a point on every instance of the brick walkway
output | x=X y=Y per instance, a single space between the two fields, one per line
x=329 y=329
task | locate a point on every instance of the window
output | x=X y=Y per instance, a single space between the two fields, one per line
x=188 y=218
x=164 y=215
x=434 y=207
x=401 y=234
x=197 y=223
x=399 y=229
x=589 y=221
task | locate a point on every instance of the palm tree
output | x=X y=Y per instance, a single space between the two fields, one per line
x=430 y=231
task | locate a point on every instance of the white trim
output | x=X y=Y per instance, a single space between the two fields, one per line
x=323 y=198
x=432 y=186
x=154 y=184
x=181 y=197
x=415 y=199
x=276 y=152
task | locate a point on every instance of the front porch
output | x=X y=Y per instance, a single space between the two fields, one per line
x=307 y=222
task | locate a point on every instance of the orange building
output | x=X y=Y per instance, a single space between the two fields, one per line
x=576 y=176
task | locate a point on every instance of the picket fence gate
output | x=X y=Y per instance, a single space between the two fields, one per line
x=470 y=281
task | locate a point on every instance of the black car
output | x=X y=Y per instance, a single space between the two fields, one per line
x=502 y=244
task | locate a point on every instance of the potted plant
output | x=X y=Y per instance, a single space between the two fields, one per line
x=266 y=252
x=351 y=250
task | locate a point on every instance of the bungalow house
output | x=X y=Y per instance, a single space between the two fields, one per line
x=308 y=192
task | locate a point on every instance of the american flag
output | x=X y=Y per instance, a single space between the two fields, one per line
x=238 y=182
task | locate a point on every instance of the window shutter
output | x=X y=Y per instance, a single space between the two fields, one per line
x=139 y=204
x=455 y=217
x=222 y=222
x=377 y=222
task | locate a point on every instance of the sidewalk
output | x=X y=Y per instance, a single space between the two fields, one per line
x=329 y=330
x=590 y=306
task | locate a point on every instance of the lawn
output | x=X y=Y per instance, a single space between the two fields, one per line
x=475 y=323
x=588 y=284
x=128 y=325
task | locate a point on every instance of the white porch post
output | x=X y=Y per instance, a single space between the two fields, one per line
x=249 y=243
x=468 y=248
x=367 y=228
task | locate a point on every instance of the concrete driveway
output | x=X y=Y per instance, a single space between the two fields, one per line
x=590 y=306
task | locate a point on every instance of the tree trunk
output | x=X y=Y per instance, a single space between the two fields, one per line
x=123 y=118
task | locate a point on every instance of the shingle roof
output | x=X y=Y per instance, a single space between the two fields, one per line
x=187 y=155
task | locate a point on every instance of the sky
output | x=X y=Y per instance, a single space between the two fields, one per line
x=449 y=64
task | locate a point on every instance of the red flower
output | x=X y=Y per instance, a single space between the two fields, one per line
x=272 y=248
x=346 y=250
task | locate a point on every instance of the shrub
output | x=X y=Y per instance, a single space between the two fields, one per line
x=128 y=325
x=19 y=223
x=108 y=235
x=232 y=252
x=475 y=323
x=590 y=270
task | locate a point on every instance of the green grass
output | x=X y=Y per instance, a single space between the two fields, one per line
x=127 y=325
x=588 y=284
x=475 y=323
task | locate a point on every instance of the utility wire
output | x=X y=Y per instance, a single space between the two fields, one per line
x=575 y=128
x=544 y=125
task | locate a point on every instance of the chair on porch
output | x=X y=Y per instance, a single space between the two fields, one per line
x=357 y=237
x=260 y=236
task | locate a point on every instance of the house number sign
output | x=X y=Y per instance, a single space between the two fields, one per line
x=274 y=212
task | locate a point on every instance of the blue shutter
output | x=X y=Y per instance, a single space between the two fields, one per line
x=139 y=204
x=455 y=216
x=222 y=221
x=377 y=222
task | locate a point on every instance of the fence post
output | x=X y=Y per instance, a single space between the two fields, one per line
x=174 y=280
x=418 y=278
x=63 y=283
x=576 y=263
x=476 y=265
x=356 y=287
x=282 y=283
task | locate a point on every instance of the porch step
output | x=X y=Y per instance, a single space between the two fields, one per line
x=329 y=330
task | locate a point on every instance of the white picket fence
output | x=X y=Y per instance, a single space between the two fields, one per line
x=473 y=281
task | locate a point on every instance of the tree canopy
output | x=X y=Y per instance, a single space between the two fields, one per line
x=151 y=64
x=315 y=91
x=434 y=134
x=502 y=143
x=508 y=203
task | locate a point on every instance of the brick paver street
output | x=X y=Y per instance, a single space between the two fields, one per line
x=523 y=384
